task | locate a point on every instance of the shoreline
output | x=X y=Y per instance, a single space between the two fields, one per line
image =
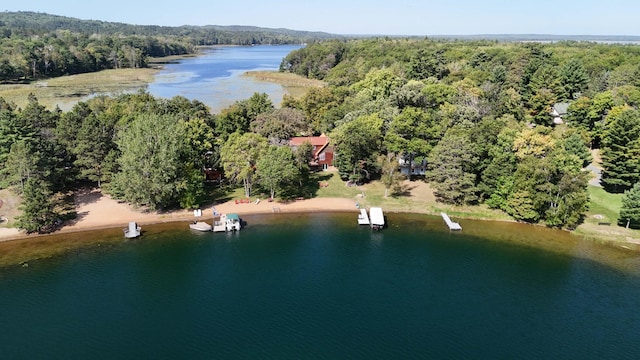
x=106 y=217
x=98 y=211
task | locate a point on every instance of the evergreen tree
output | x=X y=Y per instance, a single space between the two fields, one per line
x=621 y=151
x=574 y=143
x=450 y=168
x=38 y=208
x=573 y=78
x=93 y=144
x=630 y=211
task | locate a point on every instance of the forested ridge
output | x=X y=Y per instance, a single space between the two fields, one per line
x=477 y=114
x=37 y=45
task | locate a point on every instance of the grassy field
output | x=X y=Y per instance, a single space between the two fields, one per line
x=416 y=196
x=65 y=91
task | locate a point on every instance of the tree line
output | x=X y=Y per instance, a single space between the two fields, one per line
x=147 y=151
x=37 y=45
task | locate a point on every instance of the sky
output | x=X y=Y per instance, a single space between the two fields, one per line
x=365 y=17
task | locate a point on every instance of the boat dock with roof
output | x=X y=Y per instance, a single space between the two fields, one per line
x=377 y=218
x=227 y=222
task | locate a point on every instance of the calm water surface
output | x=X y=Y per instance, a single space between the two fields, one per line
x=317 y=286
x=216 y=76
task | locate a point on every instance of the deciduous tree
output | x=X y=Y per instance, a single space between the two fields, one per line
x=390 y=176
x=277 y=169
x=356 y=144
x=151 y=148
x=239 y=156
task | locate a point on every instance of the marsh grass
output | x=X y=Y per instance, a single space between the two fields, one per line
x=65 y=91
x=294 y=85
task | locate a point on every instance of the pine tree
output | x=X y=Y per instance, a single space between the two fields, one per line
x=630 y=211
x=38 y=208
x=621 y=151
x=573 y=77
x=451 y=165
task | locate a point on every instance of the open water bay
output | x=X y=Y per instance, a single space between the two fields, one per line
x=215 y=76
x=318 y=286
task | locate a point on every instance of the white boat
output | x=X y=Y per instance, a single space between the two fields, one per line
x=377 y=218
x=200 y=226
x=133 y=231
x=233 y=222
x=227 y=222
x=363 y=218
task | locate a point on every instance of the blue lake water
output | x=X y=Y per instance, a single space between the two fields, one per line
x=318 y=286
x=216 y=76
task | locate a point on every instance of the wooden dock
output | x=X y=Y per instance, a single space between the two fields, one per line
x=452 y=225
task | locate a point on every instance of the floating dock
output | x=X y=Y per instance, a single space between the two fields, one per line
x=133 y=231
x=452 y=225
x=377 y=218
x=363 y=218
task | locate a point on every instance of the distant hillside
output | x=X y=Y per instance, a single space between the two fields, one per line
x=27 y=23
x=542 y=37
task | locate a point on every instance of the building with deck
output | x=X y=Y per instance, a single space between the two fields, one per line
x=321 y=148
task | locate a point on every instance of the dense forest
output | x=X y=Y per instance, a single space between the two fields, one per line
x=477 y=113
x=37 y=45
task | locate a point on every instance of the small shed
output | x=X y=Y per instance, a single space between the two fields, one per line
x=558 y=111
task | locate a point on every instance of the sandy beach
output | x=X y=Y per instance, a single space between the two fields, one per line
x=99 y=211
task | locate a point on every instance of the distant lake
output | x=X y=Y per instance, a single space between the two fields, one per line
x=319 y=286
x=215 y=76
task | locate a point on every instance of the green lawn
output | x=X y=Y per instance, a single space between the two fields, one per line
x=605 y=204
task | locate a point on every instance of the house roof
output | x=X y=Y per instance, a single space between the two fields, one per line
x=319 y=143
x=313 y=140
x=561 y=108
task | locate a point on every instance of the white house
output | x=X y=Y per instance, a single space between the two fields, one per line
x=409 y=167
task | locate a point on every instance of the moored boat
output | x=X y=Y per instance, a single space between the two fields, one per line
x=227 y=222
x=233 y=222
x=200 y=226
